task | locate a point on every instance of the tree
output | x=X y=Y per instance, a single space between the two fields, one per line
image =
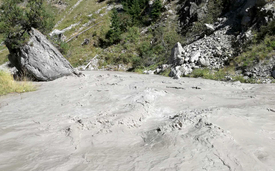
x=114 y=34
x=136 y=9
x=156 y=11
x=16 y=20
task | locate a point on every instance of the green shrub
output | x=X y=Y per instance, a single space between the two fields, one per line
x=136 y=9
x=16 y=20
x=156 y=11
x=256 y=52
x=133 y=35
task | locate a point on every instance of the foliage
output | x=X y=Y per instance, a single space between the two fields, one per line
x=16 y=20
x=220 y=75
x=256 y=52
x=195 y=25
x=266 y=30
x=4 y=56
x=132 y=35
x=62 y=46
x=136 y=13
x=209 y=74
x=156 y=11
x=8 y=85
x=136 y=9
x=114 y=34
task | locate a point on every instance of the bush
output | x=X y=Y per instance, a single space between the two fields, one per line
x=256 y=52
x=133 y=35
x=16 y=20
x=156 y=11
x=136 y=9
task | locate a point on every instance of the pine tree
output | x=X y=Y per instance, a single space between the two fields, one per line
x=16 y=20
x=135 y=10
x=156 y=11
x=114 y=34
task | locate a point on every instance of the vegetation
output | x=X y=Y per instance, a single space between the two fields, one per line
x=197 y=27
x=135 y=15
x=114 y=34
x=120 y=42
x=8 y=85
x=17 y=19
x=156 y=11
x=220 y=75
x=136 y=9
x=256 y=52
x=261 y=47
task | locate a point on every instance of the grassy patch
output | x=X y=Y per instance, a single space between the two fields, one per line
x=8 y=85
x=166 y=72
x=220 y=75
x=243 y=80
x=3 y=51
x=208 y=74
x=256 y=52
x=4 y=55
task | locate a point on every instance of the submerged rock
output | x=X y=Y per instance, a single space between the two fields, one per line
x=40 y=59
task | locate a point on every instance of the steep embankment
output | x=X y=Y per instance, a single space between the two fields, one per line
x=122 y=121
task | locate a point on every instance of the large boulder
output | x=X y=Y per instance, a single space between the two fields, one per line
x=177 y=55
x=40 y=59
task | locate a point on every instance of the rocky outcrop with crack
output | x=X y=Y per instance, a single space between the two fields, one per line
x=40 y=59
x=219 y=41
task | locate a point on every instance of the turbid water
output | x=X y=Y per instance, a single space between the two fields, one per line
x=123 y=121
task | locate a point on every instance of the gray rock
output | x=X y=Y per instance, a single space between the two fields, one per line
x=193 y=8
x=150 y=72
x=85 y=42
x=262 y=69
x=204 y=62
x=7 y=67
x=176 y=55
x=195 y=56
x=210 y=27
x=185 y=69
x=246 y=77
x=175 y=73
x=40 y=59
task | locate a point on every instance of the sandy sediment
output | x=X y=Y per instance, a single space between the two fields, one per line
x=123 y=121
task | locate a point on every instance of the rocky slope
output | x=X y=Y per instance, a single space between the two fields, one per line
x=122 y=121
x=221 y=41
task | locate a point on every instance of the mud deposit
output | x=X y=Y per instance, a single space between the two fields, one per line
x=121 y=121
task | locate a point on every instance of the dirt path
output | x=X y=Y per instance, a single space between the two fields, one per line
x=123 y=121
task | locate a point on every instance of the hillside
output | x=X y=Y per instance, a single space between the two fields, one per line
x=224 y=34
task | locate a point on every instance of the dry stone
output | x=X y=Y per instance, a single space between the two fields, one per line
x=176 y=55
x=40 y=59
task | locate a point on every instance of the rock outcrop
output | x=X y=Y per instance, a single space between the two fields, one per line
x=262 y=69
x=220 y=41
x=211 y=51
x=40 y=59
